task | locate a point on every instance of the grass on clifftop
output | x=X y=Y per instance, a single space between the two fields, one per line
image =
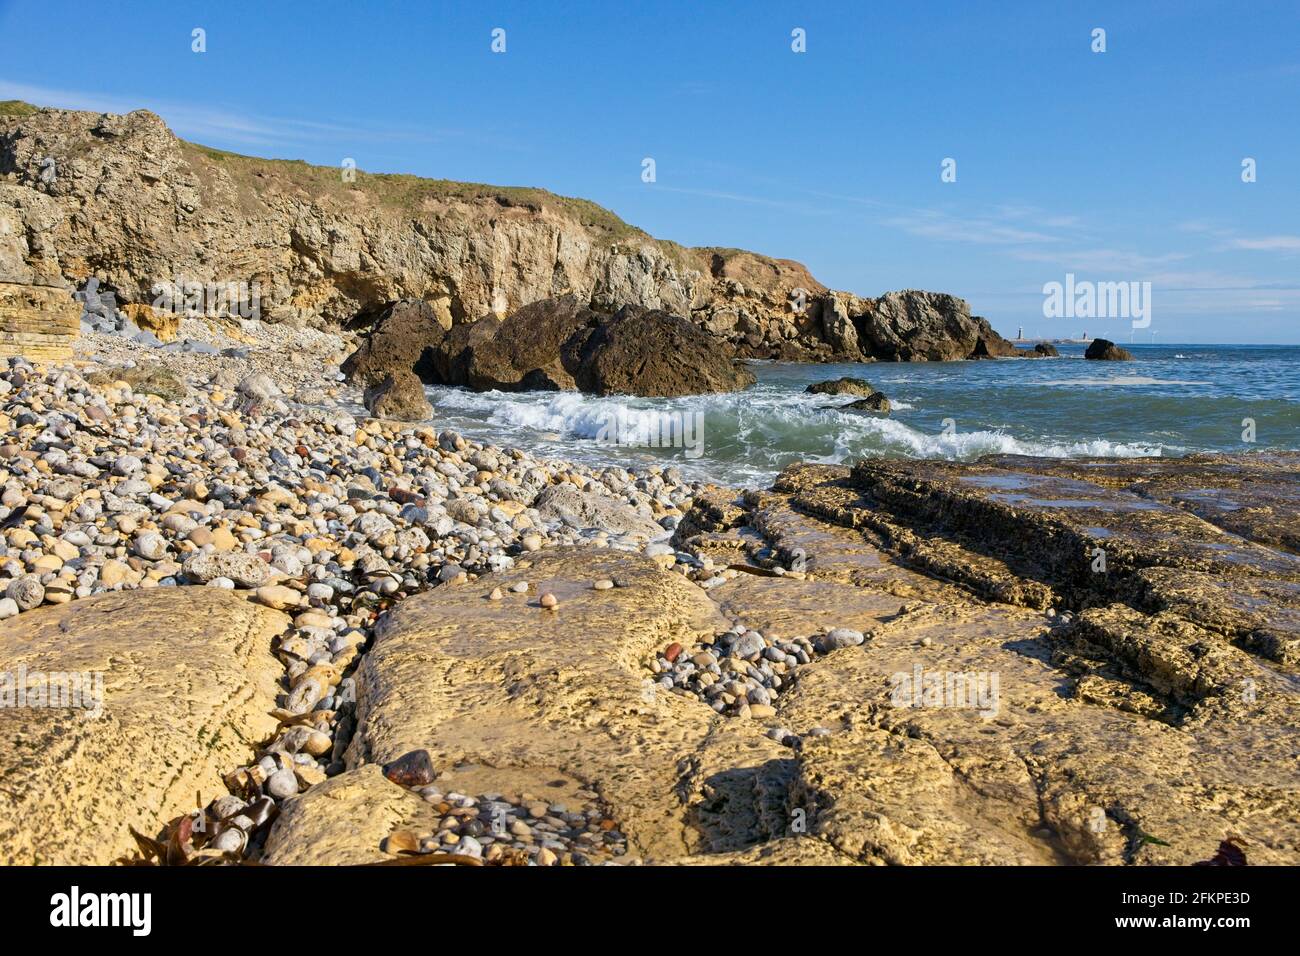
x=17 y=108
x=409 y=193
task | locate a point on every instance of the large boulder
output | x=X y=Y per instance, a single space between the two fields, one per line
x=552 y=344
x=524 y=353
x=404 y=335
x=181 y=680
x=582 y=509
x=650 y=352
x=400 y=396
x=1106 y=350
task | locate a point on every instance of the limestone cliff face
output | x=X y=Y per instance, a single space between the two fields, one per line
x=122 y=198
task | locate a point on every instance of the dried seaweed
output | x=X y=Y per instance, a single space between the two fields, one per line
x=430 y=859
x=185 y=840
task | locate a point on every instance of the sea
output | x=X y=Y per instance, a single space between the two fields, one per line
x=1172 y=400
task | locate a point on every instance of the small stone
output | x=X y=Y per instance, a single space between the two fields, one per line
x=748 y=646
x=318 y=744
x=412 y=769
x=278 y=596
x=604 y=584
x=468 y=846
x=150 y=545
x=246 y=570
x=840 y=637
x=401 y=841
x=27 y=592
x=282 y=784
x=230 y=840
x=496 y=595
x=126 y=465
x=113 y=573
x=548 y=600
x=672 y=652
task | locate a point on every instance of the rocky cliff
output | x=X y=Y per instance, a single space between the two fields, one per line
x=122 y=199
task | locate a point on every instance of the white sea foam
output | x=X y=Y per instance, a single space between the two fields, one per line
x=746 y=437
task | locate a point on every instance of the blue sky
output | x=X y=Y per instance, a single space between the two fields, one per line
x=1115 y=166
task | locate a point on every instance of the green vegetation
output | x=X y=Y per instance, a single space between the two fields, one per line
x=17 y=108
x=406 y=192
x=149 y=378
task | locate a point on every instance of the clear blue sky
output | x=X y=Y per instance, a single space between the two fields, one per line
x=1116 y=166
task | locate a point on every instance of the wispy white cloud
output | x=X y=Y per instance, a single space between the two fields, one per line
x=977 y=229
x=202 y=122
x=1103 y=259
x=1267 y=243
x=783 y=204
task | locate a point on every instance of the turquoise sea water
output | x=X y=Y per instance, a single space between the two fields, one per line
x=1174 y=399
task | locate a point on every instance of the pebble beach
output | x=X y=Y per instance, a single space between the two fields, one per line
x=236 y=463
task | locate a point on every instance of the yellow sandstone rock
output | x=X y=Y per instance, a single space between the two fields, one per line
x=181 y=679
x=161 y=323
x=38 y=322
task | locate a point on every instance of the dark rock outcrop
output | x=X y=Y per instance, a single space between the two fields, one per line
x=649 y=352
x=913 y=326
x=556 y=344
x=1106 y=350
x=841 y=386
x=524 y=354
x=403 y=335
x=875 y=402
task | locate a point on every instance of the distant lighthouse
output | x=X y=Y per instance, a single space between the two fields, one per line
x=1020 y=333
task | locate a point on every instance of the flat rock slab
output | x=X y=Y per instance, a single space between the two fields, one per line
x=789 y=607
x=1255 y=495
x=188 y=680
x=1021 y=771
x=508 y=696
